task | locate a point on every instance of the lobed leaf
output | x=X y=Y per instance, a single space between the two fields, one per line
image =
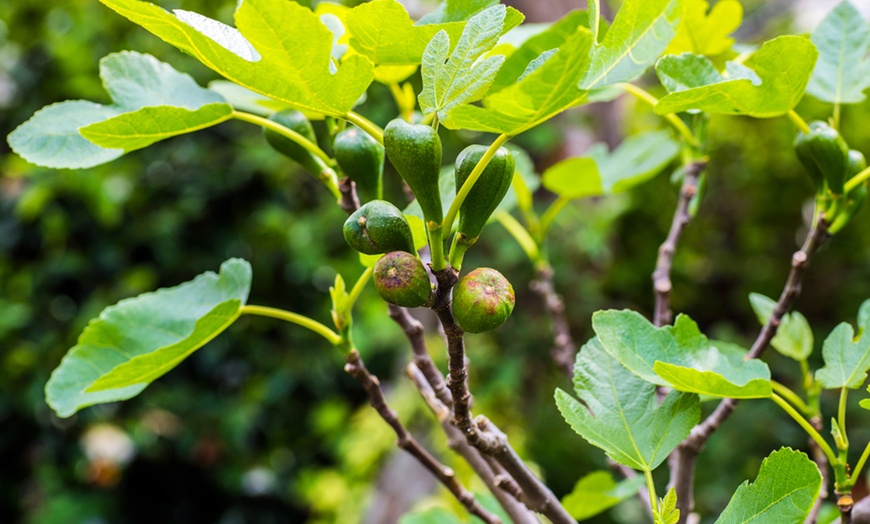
x=784 y=492
x=846 y=356
x=597 y=492
x=620 y=413
x=679 y=356
x=600 y=172
x=794 y=337
x=151 y=102
x=842 y=73
x=139 y=339
x=452 y=79
x=768 y=84
x=280 y=49
x=704 y=33
x=640 y=33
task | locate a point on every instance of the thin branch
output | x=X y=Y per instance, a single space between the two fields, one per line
x=517 y=512
x=683 y=472
x=356 y=368
x=564 y=349
x=662 y=275
x=349 y=201
x=821 y=461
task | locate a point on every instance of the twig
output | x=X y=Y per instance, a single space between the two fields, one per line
x=349 y=201
x=564 y=349
x=480 y=432
x=518 y=513
x=662 y=275
x=683 y=472
x=356 y=368
x=821 y=461
x=414 y=332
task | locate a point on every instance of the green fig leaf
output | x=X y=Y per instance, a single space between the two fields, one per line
x=842 y=73
x=794 y=337
x=139 y=339
x=770 y=82
x=847 y=358
x=597 y=492
x=687 y=360
x=151 y=102
x=785 y=490
x=620 y=413
x=706 y=33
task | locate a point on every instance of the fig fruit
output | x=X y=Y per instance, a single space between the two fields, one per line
x=825 y=156
x=298 y=122
x=362 y=160
x=401 y=279
x=378 y=227
x=415 y=152
x=482 y=300
x=487 y=192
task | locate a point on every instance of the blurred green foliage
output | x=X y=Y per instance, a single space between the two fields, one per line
x=262 y=425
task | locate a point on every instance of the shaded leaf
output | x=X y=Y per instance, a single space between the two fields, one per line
x=598 y=492
x=769 y=83
x=451 y=79
x=281 y=50
x=139 y=339
x=636 y=160
x=794 y=337
x=152 y=101
x=619 y=413
x=640 y=33
x=679 y=353
x=847 y=358
x=784 y=492
x=842 y=73
x=704 y=33
x=246 y=100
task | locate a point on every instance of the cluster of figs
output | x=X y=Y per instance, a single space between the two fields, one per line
x=483 y=299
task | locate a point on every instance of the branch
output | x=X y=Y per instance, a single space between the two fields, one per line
x=356 y=368
x=683 y=472
x=517 y=512
x=349 y=201
x=564 y=350
x=821 y=461
x=662 y=275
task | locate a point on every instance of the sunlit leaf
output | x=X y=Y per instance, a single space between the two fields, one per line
x=620 y=413
x=842 y=73
x=769 y=83
x=139 y=339
x=704 y=33
x=784 y=492
x=794 y=337
x=597 y=492
x=679 y=356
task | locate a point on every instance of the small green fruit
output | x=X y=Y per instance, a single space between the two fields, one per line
x=378 y=227
x=362 y=160
x=482 y=300
x=298 y=122
x=487 y=192
x=857 y=162
x=401 y=279
x=415 y=152
x=825 y=156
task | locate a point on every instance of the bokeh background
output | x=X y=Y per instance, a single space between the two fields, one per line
x=262 y=425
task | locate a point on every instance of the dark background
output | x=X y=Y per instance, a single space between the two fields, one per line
x=262 y=425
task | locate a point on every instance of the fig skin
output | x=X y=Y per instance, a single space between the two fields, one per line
x=401 y=279
x=482 y=300
x=378 y=227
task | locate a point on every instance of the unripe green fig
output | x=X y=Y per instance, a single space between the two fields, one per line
x=487 y=192
x=362 y=160
x=298 y=122
x=857 y=162
x=415 y=152
x=378 y=227
x=401 y=279
x=825 y=156
x=482 y=300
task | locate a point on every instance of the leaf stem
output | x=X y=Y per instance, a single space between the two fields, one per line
x=651 y=488
x=803 y=423
x=359 y=286
x=462 y=193
x=294 y=318
x=672 y=118
x=856 y=473
x=836 y=116
x=786 y=393
x=550 y=214
x=520 y=234
x=366 y=125
x=842 y=440
x=799 y=122
x=284 y=131
x=857 y=180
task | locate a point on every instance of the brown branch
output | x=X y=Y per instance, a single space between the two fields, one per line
x=821 y=461
x=683 y=472
x=518 y=513
x=349 y=201
x=564 y=350
x=661 y=277
x=356 y=368
x=845 y=504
